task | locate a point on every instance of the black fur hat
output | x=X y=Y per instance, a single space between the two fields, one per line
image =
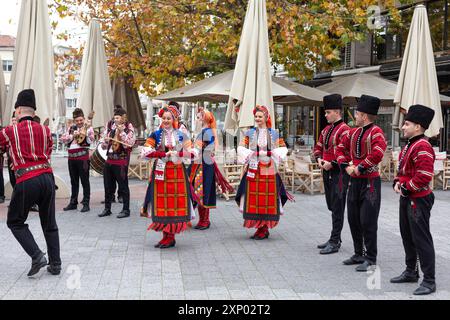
x=26 y=98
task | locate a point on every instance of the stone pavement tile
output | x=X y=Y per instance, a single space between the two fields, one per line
x=196 y=294
x=281 y=293
x=174 y=297
x=310 y=296
x=17 y=293
x=240 y=294
x=214 y=291
x=354 y=296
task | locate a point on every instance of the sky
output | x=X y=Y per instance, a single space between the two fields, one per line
x=9 y=19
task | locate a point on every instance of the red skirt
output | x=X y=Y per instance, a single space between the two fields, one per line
x=170 y=200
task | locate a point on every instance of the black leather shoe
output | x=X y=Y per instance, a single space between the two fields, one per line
x=54 y=269
x=363 y=267
x=71 y=206
x=123 y=214
x=106 y=212
x=37 y=264
x=85 y=208
x=157 y=245
x=323 y=245
x=120 y=199
x=34 y=208
x=355 y=259
x=2 y=199
x=405 y=277
x=330 y=248
x=169 y=245
x=424 y=289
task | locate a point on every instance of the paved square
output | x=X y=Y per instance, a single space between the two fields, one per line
x=109 y=258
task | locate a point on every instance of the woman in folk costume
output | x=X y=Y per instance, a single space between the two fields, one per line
x=261 y=194
x=204 y=171
x=168 y=197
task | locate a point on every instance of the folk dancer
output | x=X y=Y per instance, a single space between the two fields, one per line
x=168 y=200
x=335 y=181
x=78 y=161
x=119 y=140
x=204 y=171
x=261 y=194
x=359 y=153
x=30 y=146
x=416 y=166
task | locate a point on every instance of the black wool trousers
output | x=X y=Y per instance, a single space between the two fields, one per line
x=79 y=170
x=336 y=183
x=363 y=208
x=416 y=235
x=112 y=174
x=39 y=190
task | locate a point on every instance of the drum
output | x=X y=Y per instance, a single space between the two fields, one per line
x=98 y=159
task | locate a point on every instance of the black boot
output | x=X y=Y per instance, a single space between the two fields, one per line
x=323 y=245
x=37 y=264
x=123 y=214
x=425 y=288
x=106 y=212
x=406 y=276
x=330 y=248
x=85 y=208
x=54 y=269
x=71 y=206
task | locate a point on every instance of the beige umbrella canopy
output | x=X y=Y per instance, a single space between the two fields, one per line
x=2 y=90
x=126 y=96
x=251 y=83
x=33 y=60
x=217 y=89
x=351 y=87
x=417 y=83
x=95 y=85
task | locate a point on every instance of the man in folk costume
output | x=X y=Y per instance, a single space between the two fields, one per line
x=359 y=153
x=169 y=193
x=415 y=172
x=119 y=139
x=261 y=194
x=335 y=180
x=204 y=171
x=30 y=146
x=78 y=159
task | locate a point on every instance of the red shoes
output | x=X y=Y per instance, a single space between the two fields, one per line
x=168 y=241
x=261 y=233
x=203 y=223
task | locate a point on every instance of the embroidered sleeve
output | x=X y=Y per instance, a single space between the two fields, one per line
x=128 y=138
x=67 y=137
x=378 y=146
x=3 y=140
x=90 y=135
x=343 y=149
x=279 y=153
x=103 y=137
x=149 y=149
x=49 y=150
x=423 y=159
x=318 y=148
x=243 y=151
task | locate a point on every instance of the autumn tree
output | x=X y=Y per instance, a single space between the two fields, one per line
x=165 y=43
